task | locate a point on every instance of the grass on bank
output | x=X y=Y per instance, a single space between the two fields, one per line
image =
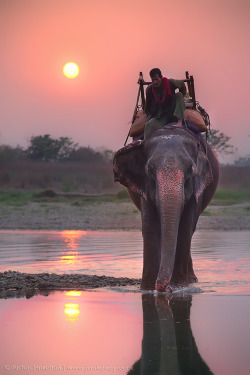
x=222 y=197
x=22 y=197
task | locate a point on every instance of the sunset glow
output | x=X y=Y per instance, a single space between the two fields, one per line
x=71 y=70
x=40 y=98
x=73 y=293
x=72 y=311
x=71 y=240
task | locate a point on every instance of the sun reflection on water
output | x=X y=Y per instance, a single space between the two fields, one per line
x=71 y=239
x=72 y=309
x=73 y=293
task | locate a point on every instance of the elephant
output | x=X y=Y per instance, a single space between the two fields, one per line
x=171 y=176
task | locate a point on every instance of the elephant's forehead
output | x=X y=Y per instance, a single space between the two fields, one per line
x=169 y=136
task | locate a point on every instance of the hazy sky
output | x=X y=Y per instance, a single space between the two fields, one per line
x=111 y=41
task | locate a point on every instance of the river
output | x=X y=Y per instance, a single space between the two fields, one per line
x=202 y=329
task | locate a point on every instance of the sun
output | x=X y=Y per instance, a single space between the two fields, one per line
x=71 y=70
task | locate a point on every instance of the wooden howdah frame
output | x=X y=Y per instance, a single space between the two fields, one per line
x=141 y=95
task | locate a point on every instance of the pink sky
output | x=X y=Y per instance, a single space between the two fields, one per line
x=111 y=41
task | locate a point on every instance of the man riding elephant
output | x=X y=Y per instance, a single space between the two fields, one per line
x=163 y=106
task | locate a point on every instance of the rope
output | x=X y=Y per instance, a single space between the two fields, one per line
x=204 y=114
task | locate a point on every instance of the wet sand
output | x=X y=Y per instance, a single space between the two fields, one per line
x=17 y=284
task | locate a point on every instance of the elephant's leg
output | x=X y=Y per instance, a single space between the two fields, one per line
x=191 y=275
x=151 y=244
x=183 y=269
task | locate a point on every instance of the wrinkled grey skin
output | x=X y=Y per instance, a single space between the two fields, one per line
x=171 y=180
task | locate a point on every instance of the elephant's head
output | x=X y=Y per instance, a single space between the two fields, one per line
x=169 y=170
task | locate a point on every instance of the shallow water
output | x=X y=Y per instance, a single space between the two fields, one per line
x=221 y=258
x=103 y=332
x=202 y=329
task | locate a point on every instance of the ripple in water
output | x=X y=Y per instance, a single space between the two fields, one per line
x=221 y=258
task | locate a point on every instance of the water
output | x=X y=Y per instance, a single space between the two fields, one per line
x=203 y=329
x=221 y=258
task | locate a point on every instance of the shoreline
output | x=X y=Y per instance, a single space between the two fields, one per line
x=14 y=283
x=211 y=226
x=109 y=216
x=97 y=216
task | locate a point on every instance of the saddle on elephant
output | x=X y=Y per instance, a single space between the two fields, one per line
x=186 y=107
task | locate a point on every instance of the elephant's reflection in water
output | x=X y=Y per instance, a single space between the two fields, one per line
x=168 y=345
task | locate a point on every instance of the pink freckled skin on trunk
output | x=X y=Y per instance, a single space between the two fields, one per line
x=170 y=187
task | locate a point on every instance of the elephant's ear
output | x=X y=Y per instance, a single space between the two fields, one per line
x=129 y=167
x=204 y=175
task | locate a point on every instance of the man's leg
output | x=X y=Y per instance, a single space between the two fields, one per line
x=152 y=125
x=180 y=106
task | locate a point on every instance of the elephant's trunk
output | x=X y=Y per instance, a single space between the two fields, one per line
x=171 y=196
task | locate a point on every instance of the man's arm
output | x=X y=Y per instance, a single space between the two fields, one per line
x=179 y=84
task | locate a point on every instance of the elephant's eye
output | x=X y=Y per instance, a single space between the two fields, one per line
x=150 y=171
x=149 y=168
x=189 y=171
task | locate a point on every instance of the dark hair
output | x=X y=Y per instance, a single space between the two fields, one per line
x=155 y=71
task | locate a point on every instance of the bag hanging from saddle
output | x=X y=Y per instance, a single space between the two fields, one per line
x=195 y=117
x=138 y=125
x=191 y=115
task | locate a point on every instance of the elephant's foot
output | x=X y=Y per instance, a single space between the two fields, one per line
x=163 y=286
x=192 y=278
x=191 y=275
x=181 y=281
x=147 y=285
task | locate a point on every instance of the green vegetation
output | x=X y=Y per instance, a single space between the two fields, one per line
x=96 y=177
x=45 y=148
x=17 y=198
x=243 y=161
x=23 y=197
x=62 y=166
x=58 y=164
x=123 y=194
x=206 y=213
x=225 y=197
x=220 y=142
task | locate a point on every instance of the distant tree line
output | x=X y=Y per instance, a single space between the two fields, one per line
x=61 y=165
x=47 y=149
x=220 y=142
x=243 y=161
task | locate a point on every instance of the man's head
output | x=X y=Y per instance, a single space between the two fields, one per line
x=156 y=76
